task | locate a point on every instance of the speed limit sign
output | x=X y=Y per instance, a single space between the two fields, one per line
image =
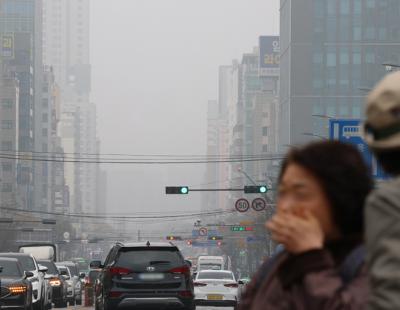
x=242 y=205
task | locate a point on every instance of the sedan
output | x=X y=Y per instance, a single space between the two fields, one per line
x=216 y=288
x=16 y=290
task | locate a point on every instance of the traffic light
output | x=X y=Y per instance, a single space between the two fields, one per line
x=219 y=243
x=242 y=228
x=174 y=238
x=177 y=190
x=215 y=238
x=255 y=189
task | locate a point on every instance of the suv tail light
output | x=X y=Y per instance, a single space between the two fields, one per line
x=114 y=294
x=55 y=282
x=185 y=270
x=231 y=285
x=186 y=294
x=199 y=284
x=119 y=271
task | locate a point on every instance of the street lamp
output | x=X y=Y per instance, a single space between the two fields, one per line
x=389 y=66
x=322 y=116
x=310 y=134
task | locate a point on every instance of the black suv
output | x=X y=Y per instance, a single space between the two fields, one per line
x=144 y=275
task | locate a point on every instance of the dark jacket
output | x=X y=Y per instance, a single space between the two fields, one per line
x=308 y=281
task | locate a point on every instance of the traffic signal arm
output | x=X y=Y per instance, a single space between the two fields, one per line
x=255 y=189
x=176 y=190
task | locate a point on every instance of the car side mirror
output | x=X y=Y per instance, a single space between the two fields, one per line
x=43 y=269
x=66 y=277
x=28 y=274
x=96 y=264
x=240 y=282
x=189 y=263
x=82 y=275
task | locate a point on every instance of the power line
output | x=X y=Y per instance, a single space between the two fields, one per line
x=139 y=162
x=122 y=217
x=8 y=152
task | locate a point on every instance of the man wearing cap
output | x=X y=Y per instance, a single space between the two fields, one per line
x=382 y=218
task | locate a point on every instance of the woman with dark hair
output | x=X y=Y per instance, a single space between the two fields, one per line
x=319 y=221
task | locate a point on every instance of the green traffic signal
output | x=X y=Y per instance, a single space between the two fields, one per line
x=177 y=190
x=184 y=190
x=255 y=189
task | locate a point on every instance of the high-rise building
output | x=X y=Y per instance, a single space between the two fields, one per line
x=21 y=32
x=66 y=49
x=332 y=52
x=242 y=124
x=9 y=134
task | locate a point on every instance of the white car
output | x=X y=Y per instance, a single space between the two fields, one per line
x=66 y=273
x=215 y=288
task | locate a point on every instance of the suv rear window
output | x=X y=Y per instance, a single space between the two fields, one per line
x=133 y=258
x=215 y=275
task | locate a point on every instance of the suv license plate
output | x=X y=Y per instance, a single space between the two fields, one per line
x=151 y=276
x=214 y=297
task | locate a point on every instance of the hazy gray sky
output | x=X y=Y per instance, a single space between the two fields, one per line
x=155 y=66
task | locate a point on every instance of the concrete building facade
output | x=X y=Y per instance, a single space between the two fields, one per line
x=332 y=52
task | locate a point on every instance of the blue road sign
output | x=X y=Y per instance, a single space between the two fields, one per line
x=204 y=244
x=211 y=233
x=350 y=131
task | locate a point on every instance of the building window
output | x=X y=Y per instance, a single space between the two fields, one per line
x=345 y=7
x=344 y=57
x=7 y=124
x=357 y=33
x=356 y=58
x=45 y=102
x=357 y=7
x=369 y=33
x=331 y=59
x=45 y=117
x=370 y=4
x=7 y=103
x=265 y=131
x=44 y=132
x=370 y=58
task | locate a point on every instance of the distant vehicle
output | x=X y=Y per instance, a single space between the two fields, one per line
x=216 y=288
x=39 y=285
x=142 y=275
x=66 y=274
x=57 y=282
x=90 y=282
x=210 y=263
x=76 y=279
x=16 y=289
x=47 y=251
